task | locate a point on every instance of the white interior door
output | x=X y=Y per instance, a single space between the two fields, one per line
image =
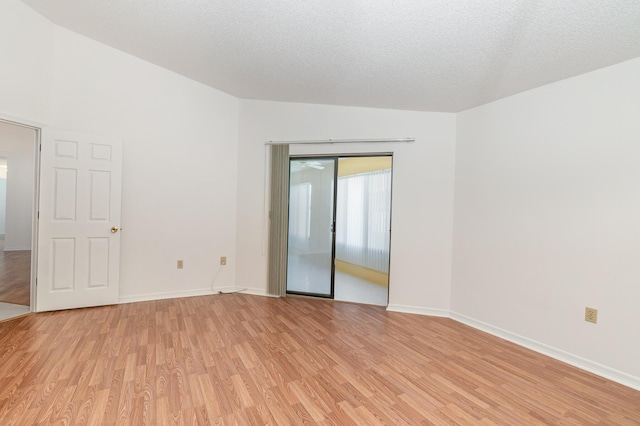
x=79 y=217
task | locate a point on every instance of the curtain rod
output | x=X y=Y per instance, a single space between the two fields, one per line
x=332 y=141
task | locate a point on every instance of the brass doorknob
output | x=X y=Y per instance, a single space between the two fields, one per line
x=114 y=229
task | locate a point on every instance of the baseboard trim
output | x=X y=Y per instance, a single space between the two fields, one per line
x=173 y=294
x=555 y=353
x=192 y=293
x=256 y=291
x=432 y=312
x=248 y=290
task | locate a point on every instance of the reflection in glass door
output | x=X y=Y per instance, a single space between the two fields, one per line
x=311 y=226
x=363 y=230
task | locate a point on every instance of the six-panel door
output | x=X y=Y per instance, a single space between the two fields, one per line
x=79 y=220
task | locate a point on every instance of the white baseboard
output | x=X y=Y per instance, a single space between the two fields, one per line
x=173 y=294
x=256 y=291
x=191 y=293
x=246 y=290
x=432 y=312
x=17 y=248
x=227 y=289
x=577 y=361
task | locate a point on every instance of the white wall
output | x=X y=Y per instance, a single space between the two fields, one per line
x=3 y=195
x=547 y=216
x=179 y=169
x=180 y=147
x=3 y=204
x=25 y=55
x=17 y=145
x=422 y=189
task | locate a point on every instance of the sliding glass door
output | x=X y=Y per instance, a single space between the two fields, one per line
x=311 y=226
x=339 y=228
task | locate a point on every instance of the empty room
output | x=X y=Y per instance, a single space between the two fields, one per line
x=399 y=213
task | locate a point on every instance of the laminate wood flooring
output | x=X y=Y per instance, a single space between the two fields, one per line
x=250 y=360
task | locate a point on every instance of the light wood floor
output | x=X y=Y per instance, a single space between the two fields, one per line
x=249 y=360
x=15 y=276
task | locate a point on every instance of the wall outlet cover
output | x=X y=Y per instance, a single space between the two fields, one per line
x=591 y=315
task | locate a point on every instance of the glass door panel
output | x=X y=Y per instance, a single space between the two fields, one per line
x=363 y=226
x=311 y=226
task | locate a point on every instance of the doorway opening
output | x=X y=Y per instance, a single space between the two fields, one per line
x=339 y=227
x=18 y=183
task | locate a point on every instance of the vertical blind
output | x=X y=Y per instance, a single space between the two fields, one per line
x=279 y=218
x=363 y=219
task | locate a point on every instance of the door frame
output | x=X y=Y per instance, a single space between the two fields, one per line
x=336 y=158
x=37 y=128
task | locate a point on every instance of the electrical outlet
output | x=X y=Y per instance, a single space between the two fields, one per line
x=223 y=260
x=591 y=315
x=180 y=264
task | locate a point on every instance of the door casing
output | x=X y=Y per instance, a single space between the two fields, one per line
x=37 y=128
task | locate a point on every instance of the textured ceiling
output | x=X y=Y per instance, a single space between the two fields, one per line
x=431 y=55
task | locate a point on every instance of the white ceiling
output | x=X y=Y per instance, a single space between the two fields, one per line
x=431 y=55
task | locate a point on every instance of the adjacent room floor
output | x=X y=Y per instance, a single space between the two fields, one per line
x=313 y=276
x=15 y=282
x=353 y=289
x=9 y=310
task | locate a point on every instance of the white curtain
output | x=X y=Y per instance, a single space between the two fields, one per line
x=363 y=219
